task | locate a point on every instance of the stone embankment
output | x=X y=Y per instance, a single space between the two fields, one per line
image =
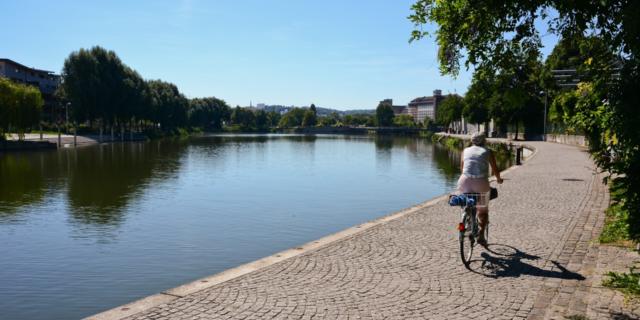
x=542 y=262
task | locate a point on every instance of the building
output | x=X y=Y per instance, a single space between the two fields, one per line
x=397 y=109
x=46 y=81
x=425 y=107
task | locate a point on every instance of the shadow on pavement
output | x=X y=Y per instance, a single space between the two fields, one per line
x=621 y=316
x=499 y=261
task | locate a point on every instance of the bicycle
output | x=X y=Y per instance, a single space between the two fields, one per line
x=468 y=227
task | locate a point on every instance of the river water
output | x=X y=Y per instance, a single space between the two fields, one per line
x=84 y=230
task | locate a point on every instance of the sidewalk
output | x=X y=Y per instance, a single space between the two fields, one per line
x=542 y=262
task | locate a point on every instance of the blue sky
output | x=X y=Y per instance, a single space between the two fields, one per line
x=336 y=54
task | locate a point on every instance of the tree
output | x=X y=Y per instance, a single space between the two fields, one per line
x=208 y=113
x=490 y=34
x=7 y=102
x=309 y=119
x=292 y=119
x=20 y=107
x=313 y=109
x=262 y=120
x=244 y=118
x=100 y=87
x=449 y=110
x=273 y=118
x=579 y=53
x=168 y=105
x=330 y=120
x=477 y=100
x=404 y=120
x=384 y=115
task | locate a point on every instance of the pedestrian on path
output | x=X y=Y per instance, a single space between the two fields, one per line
x=474 y=163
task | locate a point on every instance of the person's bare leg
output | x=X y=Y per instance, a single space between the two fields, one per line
x=483 y=220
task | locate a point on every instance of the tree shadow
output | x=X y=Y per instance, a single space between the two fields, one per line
x=500 y=261
x=621 y=316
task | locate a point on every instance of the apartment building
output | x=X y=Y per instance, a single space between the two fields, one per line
x=423 y=107
x=45 y=80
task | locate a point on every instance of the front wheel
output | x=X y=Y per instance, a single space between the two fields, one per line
x=467 y=240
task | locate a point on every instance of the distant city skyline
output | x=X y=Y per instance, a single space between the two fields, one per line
x=335 y=54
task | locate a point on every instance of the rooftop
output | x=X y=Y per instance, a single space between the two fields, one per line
x=25 y=67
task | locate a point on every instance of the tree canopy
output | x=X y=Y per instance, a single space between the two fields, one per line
x=20 y=107
x=208 y=113
x=384 y=115
x=489 y=35
x=100 y=87
x=450 y=110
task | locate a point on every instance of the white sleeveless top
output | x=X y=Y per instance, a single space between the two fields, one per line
x=476 y=162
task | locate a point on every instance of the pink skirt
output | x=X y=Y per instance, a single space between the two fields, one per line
x=476 y=185
x=479 y=185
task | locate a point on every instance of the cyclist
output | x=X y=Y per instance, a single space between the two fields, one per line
x=475 y=162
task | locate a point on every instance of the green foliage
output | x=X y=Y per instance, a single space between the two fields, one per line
x=209 y=113
x=505 y=38
x=243 y=118
x=616 y=227
x=20 y=107
x=309 y=119
x=99 y=86
x=562 y=108
x=292 y=119
x=384 y=115
x=628 y=283
x=262 y=120
x=359 y=120
x=427 y=123
x=273 y=118
x=404 y=120
x=168 y=106
x=450 y=110
x=331 y=120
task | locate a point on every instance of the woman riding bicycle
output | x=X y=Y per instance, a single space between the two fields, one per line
x=475 y=161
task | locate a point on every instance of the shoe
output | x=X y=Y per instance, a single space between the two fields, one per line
x=482 y=242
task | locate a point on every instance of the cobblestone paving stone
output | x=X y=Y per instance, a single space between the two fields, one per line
x=409 y=268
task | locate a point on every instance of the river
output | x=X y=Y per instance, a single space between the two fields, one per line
x=87 y=229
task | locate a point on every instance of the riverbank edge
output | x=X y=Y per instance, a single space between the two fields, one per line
x=181 y=291
x=67 y=140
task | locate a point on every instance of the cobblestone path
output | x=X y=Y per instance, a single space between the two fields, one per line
x=539 y=263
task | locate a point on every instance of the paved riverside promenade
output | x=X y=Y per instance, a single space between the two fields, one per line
x=541 y=263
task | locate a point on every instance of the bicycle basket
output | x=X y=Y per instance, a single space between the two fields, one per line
x=481 y=199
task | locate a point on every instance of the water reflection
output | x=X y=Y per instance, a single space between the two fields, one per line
x=102 y=182
x=21 y=182
x=98 y=181
x=448 y=160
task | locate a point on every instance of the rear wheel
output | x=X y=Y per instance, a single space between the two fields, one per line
x=467 y=240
